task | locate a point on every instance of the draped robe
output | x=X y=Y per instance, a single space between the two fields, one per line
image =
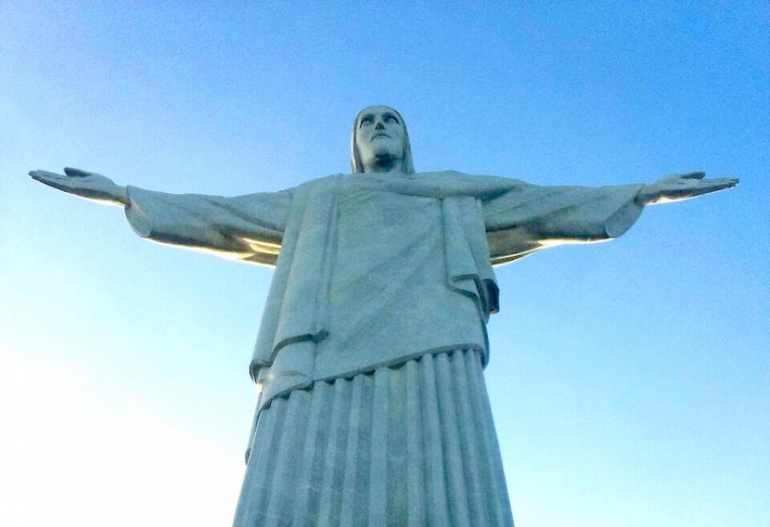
x=374 y=272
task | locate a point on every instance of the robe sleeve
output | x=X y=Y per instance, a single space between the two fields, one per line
x=247 y=228
x=530 y=217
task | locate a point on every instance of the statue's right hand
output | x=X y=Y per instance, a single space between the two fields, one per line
x=88 y=185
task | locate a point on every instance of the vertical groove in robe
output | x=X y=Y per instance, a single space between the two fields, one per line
x=436 y=495
x=309 y=461
x=254 y=495
x=334 y=456
x=285 y=461
x=454 y=470
x=397 y=496
x=470 y=445
x=415 y=475
x=351 y=491
x=412 y=445
x=491 y=462
x=377 y=495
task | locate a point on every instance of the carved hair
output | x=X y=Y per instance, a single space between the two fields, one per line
x=407 y=167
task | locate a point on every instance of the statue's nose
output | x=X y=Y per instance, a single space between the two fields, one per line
x=379 y=126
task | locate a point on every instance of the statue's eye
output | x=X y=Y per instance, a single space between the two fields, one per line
x=391 y=118
x=368 y=119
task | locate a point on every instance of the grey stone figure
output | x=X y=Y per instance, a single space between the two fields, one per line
x=373 y=409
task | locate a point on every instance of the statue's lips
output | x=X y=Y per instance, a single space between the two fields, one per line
x=375 y=136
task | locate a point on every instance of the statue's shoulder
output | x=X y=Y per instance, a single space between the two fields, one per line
x=455 y=176
x=322 y=182
x=443 y=174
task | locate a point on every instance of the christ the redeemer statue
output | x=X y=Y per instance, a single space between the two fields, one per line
x=373 y=409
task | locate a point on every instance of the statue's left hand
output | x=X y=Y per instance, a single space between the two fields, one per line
x=89 y=185
x=677 y=187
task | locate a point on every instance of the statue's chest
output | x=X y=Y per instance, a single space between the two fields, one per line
x=374 y=225
x=389 y=252
x=389 y=295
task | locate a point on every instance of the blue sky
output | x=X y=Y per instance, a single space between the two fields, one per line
x=630 y=381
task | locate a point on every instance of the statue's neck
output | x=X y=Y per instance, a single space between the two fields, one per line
x=383 y=163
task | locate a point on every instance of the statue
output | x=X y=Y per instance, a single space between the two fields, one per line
x=370 y=356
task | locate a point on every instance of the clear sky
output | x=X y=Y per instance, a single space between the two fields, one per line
x=630 y=381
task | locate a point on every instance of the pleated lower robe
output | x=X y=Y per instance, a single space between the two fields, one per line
x=412 y=446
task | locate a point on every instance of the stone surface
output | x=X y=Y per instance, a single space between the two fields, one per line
x=383 y=286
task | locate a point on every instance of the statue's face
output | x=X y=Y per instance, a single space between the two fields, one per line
x=380 y=139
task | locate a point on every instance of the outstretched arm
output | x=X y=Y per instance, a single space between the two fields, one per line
x=247 y=228
x=531 y=217
x=678 y=187
x=87 y=185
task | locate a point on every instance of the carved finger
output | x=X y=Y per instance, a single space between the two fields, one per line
x=57 y=181
x=43 y=174
x=694 y=175
x=713 y=185
x=50 y=178
x=726 y=182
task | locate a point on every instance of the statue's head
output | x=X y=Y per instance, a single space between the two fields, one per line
x=379 y=135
